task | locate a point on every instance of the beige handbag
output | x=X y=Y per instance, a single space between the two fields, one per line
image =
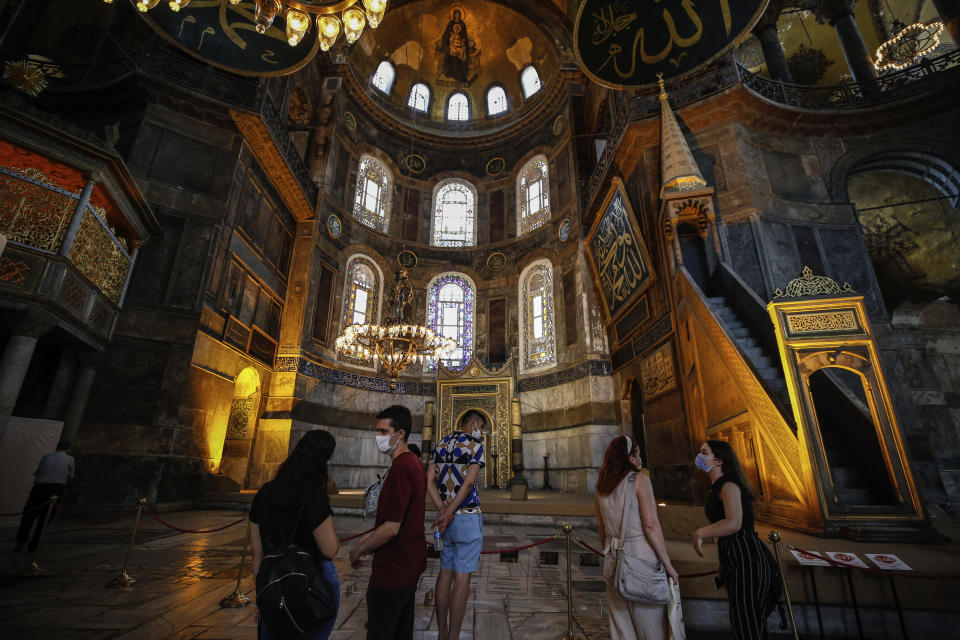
x=636 y=579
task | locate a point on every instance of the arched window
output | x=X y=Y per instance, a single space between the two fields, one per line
x=538 y=344
x=530 y=81
x=361 y=297
x=371 y=202
x=453 y=218
x=533 y=195
x=496 y=101
x=450 y=309
x=419 y=98
x=384 y=77
x=458 y=107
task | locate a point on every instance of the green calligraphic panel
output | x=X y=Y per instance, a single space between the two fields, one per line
x=223 y=35
x=626 y=43
x=618 y=255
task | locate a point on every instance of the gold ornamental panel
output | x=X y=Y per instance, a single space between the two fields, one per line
x=96 y=254
x=32 y=213
x=822 y=322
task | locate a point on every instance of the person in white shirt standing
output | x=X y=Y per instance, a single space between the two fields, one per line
x=50 y=478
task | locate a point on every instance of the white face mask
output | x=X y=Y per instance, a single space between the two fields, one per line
x=383 y=444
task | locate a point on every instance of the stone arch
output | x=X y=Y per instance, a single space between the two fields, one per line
x=927 y=158
x=907 y=205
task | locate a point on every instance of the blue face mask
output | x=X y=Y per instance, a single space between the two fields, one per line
x=701 y=463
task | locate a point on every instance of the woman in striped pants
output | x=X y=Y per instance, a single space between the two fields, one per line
x=746 y=566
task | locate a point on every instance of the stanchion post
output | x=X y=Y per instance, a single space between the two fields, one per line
x=35 y=569
x=567 y=529
x=775 y=538
x=124 y=580
x=816 y=601
x=896 y=601
x=238 y=599
x=853 y=600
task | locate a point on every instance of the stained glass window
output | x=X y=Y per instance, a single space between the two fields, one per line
x=533 y=195
x=496 y=101
x=453 y=220
x=384 y=77
x=450 y=305
x=419 y=97
x=371 y=203
x=530 y=81
x=361 y=297
x=537 y=321
x=458 y=107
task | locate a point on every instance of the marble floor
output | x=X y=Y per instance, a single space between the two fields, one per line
x=182 y=577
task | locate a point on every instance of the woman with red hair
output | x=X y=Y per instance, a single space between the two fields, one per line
x=627 y=518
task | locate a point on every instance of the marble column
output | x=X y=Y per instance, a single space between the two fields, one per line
x=773 y=55
x=518 y=484
x=949 y=11
x=86 y=371
x=16 y=360
x=428 y=424
x=60 y=388
x=854 y=48
x=74 y=227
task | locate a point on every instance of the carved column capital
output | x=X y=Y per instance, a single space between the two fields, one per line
x=829 y=11
x=33 y=323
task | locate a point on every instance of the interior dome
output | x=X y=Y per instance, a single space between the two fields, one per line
x=467 y=49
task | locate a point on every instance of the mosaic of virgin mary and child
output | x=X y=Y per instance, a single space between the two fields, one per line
x=458 y=53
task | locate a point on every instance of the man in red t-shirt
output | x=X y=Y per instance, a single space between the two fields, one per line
x=398 y=544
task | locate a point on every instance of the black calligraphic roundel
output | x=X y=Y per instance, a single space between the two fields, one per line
x=223 y=34
x=626 y=43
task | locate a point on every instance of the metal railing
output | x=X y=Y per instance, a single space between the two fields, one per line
x=889 y=87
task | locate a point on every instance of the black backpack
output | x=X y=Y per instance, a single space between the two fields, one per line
x=293 y=597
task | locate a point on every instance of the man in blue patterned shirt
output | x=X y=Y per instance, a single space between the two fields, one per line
x=455 y=463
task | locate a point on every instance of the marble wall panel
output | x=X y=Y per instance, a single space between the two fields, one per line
x=575 y=455
x=356 y=461
x=742 y=249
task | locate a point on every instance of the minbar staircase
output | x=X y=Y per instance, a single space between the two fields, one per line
x=766 y=364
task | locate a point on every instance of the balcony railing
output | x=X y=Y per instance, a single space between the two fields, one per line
x=890 y=87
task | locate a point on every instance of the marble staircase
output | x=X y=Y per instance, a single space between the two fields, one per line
x=766 y=364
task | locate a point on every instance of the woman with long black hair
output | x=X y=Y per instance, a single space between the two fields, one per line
x=747 y=567
x=295 y=502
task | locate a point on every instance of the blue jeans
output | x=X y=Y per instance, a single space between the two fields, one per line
x=330 y=573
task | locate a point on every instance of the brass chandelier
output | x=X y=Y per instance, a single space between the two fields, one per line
x=298 y=16
x=398 y=344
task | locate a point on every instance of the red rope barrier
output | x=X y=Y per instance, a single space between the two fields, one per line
x=30 y=510
x=683 y=575
x=355 y=536
x=512 y=549
x=702 y=574
x=882 y=572
x=584 y=544
x=97 y=522
x=521 y=548
x=175 y=528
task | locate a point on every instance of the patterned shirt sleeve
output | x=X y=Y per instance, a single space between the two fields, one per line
x=436 y=457
x=478 y=456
